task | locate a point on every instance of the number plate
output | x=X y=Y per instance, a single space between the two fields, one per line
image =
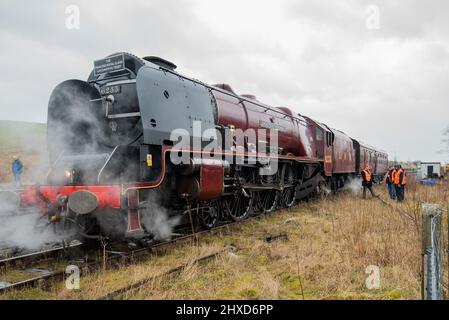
x=110 y=90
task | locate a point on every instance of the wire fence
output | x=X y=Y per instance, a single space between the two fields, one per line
x=433 y=252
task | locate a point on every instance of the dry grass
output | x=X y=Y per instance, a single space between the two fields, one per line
x=330 y=244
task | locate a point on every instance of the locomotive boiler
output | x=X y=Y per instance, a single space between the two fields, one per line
x=138 y=139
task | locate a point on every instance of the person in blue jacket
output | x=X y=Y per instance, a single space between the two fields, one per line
x=17 y=169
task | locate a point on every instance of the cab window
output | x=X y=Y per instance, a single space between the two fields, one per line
x=319 y=134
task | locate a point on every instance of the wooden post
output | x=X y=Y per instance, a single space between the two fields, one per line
x=431 y=230
x=425 y=228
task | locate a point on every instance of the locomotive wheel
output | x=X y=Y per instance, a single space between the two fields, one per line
x=73 y=227
x=237 y=207
x=289 y=192
x=209 y=216
x=288 y=197
x=267 y=201
x=86 y=227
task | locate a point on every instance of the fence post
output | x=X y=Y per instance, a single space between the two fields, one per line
x=432 y=251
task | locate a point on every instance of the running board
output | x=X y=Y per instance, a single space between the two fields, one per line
x=267 y=186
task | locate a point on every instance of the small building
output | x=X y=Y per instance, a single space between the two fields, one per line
x=429 y=170
x=411 y=169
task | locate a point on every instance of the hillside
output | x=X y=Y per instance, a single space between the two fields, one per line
x=26 y=140
x=17 y=135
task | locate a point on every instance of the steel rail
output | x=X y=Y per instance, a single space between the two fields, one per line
x=123 y=256
x=176 y=269
x=20 y=259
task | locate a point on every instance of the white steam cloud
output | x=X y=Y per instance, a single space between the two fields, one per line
x=26 y=231
x=353 y=185
x=157 y=220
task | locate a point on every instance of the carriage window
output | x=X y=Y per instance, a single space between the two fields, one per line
x=329 y=139
x=319 y=134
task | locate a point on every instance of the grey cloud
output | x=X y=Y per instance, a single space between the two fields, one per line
x=316 y=57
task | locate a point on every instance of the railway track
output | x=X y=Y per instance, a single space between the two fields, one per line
x=178 y=269
x=26 y=259
x=110 y=258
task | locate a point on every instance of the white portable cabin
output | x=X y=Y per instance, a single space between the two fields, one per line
x=429 y=169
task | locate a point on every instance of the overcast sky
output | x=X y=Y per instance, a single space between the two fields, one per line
x=386 y=83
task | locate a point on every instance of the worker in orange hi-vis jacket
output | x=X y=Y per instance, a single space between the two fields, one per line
x=367 y=182
x=400 y=180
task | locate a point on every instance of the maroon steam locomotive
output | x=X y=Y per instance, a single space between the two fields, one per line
x=114 y=155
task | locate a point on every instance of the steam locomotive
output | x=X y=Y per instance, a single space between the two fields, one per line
x=125 y=148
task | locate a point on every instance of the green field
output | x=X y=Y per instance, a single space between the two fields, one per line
x=26 y=140
x=19 y=136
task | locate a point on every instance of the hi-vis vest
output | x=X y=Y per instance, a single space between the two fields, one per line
x=397 y=176
x=367 y=175
x=393 y=176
